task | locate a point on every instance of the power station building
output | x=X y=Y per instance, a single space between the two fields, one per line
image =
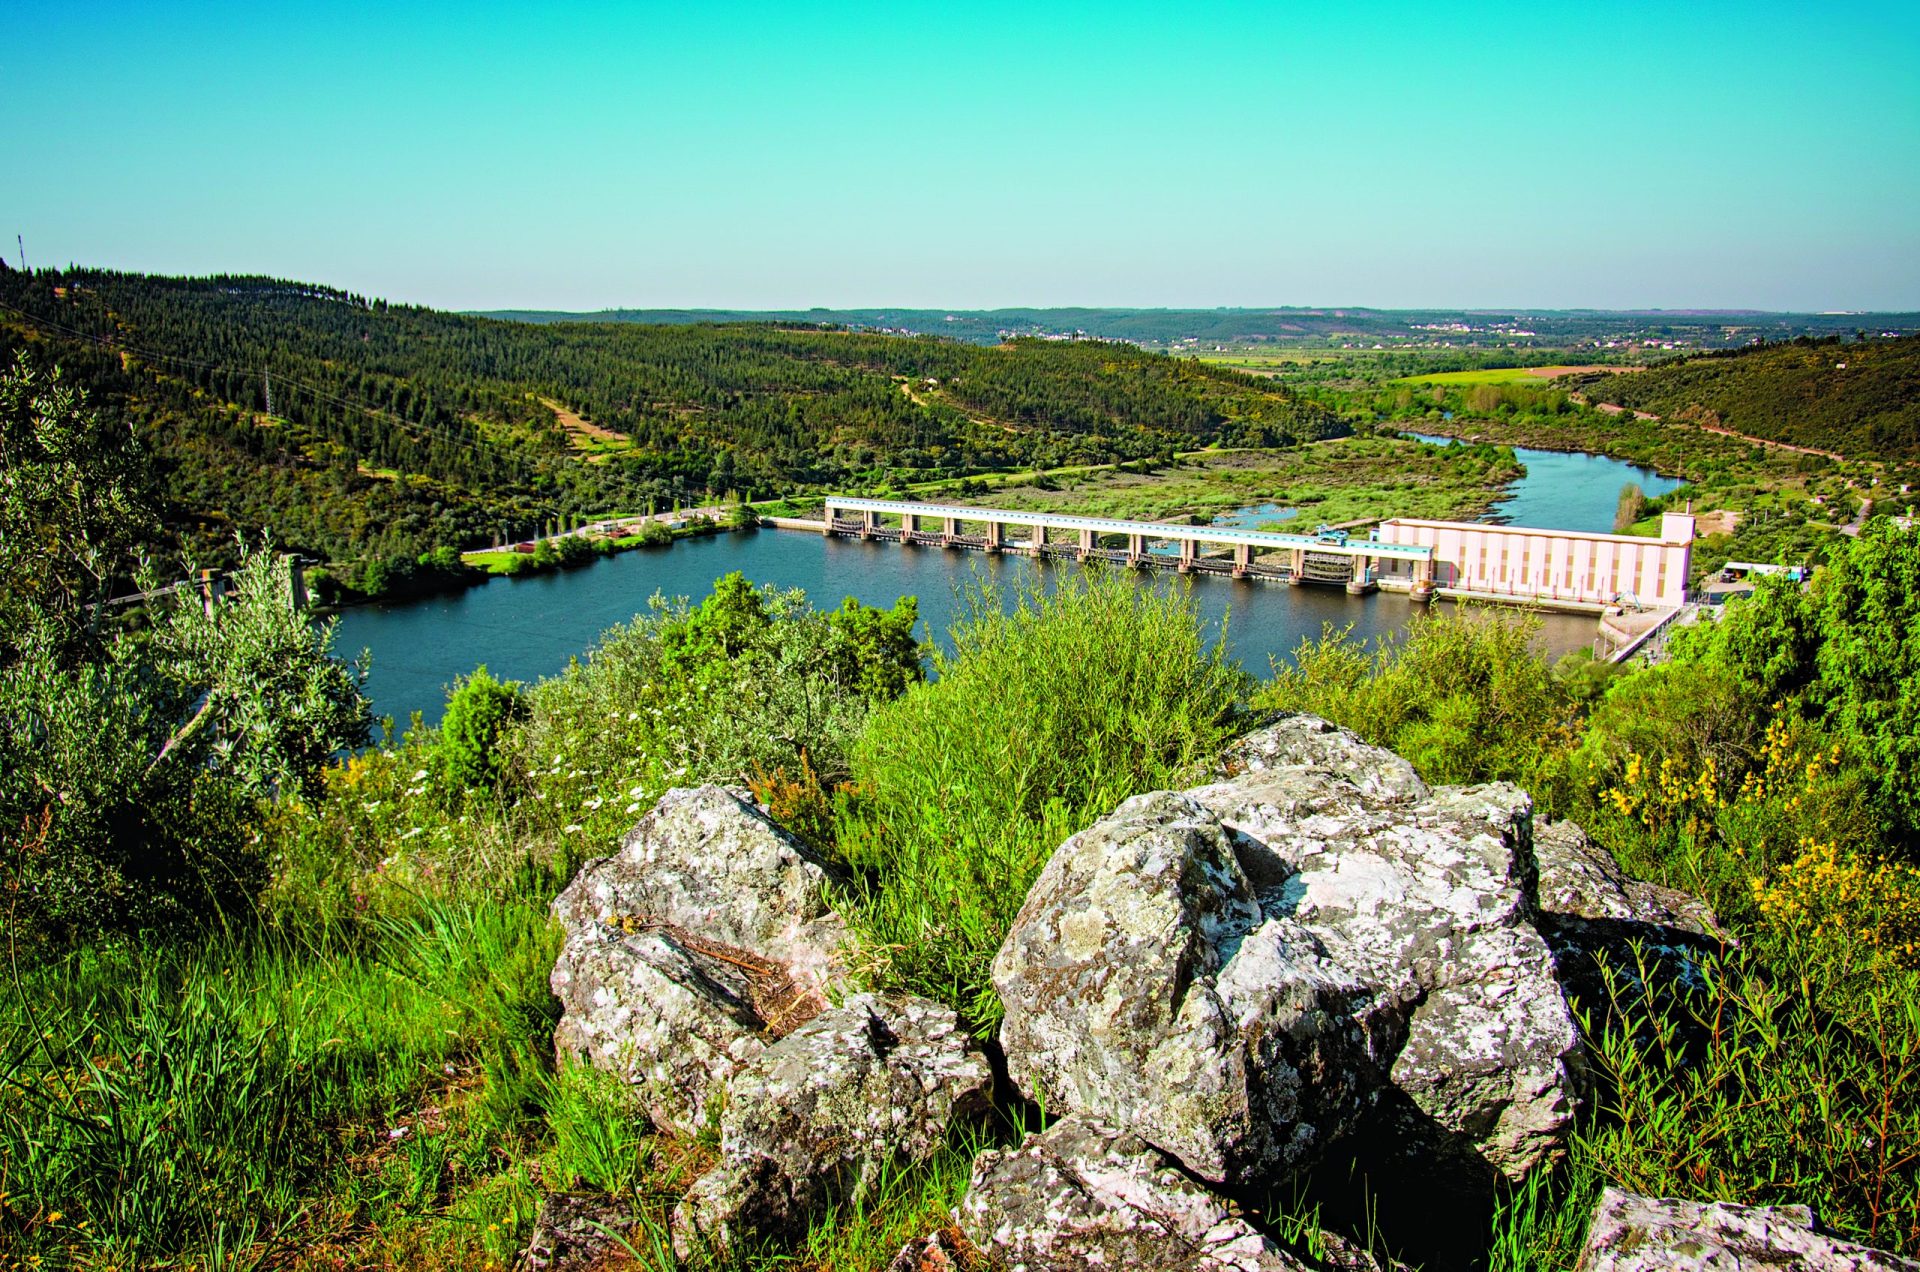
x=1523 y=564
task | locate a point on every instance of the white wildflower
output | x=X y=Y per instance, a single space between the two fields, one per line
x=573 y=828
x=419 y=775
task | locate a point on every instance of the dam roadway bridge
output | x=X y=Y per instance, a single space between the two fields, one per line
x=1331 y=558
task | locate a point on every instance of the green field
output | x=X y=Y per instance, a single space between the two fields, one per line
x=1346 y=479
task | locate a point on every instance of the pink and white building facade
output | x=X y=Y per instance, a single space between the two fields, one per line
x=1548 y=566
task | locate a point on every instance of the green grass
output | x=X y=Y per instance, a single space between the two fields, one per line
x=1043 y=719
x=212 y=1097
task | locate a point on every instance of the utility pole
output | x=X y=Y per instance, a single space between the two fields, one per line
x=267 y=381
x=21 y=239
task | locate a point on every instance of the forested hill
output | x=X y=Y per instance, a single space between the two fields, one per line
x=396 y=429
x=1859 y=398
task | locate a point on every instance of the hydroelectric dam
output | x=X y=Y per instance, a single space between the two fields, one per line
x=1515 y=565
x=1331 y=556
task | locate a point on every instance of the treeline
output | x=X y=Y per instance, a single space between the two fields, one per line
x=1287 y=326
x=366 y=432
x=1860 y=398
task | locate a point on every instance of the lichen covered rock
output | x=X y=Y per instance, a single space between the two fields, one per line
x=1080 y=1197
x=1580 y=880
x=701 y=941
x=1143 y=984
x=873 y=1083
x=1429 y=902
x=1632 y=1233
x=1235 y=972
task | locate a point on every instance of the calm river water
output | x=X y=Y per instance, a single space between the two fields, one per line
x=527 y=628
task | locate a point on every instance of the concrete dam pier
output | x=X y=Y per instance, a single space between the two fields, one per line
x=1331 y=557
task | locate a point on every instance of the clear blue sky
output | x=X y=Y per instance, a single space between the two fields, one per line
x=1398 y=154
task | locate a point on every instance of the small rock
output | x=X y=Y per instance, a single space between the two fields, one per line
x=1632 y=1233
x=578 y=1234
x=1607 y=929
x=1080 y=1197
x=942 y=1251
x=1580 y=880
x=873 y=1083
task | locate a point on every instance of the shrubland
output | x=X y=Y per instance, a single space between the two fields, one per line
x=341 y=1055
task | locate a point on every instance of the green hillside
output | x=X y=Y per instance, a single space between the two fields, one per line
x=393 y=430
x=1859 y=398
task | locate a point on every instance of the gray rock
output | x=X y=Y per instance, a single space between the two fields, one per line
x=1612 y=934
x=1632 y=1233
x=1234 y=973
x=1430 y=902
x=1143 y=984
x=1580 y=880
x=872 y=1083
x=1080 y=1197
x=944 y=1250
x=1304 y=741
x=579 y=1234
x=705 y=938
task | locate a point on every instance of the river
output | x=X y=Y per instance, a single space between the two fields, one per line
x=527 y=628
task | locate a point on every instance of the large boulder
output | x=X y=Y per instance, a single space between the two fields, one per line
x=1610 y=932
x=688 y=952
x=1143 y=984
x=1632 y=1233
x=873 y=1083
x=1082 y=1197
x=1428 y=901
x=1580 y=880
x=1234 y=973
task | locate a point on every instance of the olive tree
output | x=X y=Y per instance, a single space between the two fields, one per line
x=134 y=756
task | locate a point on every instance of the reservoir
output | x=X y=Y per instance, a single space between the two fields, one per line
x=528 y=628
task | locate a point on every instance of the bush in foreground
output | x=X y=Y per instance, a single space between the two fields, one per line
x=1053 y=707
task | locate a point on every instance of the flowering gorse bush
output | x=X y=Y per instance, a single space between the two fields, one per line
x=1846 y=902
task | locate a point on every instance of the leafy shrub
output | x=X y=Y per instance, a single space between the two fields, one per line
x=148 y=753
x=478 y=711
x=1052 y=709
x=752 y=684
x=1463 y=696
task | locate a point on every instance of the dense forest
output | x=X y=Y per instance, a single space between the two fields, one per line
x=369 y=433
x=1858 y=398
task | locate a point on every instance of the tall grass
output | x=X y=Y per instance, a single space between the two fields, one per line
x=160 y=1100
x=1052 y=708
